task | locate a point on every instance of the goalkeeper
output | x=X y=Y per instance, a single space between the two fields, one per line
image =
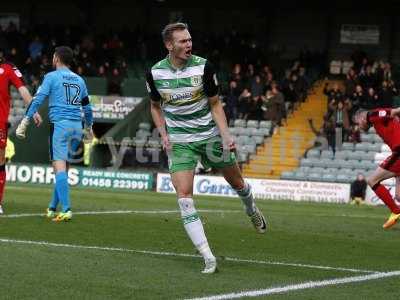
x=67 y=95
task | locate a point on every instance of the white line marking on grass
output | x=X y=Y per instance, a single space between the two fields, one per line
x=110 y=212
x=300 y=286
x=231 y=259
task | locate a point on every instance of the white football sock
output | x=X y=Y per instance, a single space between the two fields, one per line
x=194 y=227
x=247 y=198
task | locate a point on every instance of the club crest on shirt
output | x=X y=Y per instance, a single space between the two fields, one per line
x=382 y=113
x=195 y=80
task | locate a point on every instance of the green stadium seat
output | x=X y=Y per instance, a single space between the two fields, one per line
x=300 y=176
x=314 y=176
x=306 y=162
x=344 y=178
x=258 y=139
x=375 y=147
x=316 y=170
x=304 y=169
x=372 y=130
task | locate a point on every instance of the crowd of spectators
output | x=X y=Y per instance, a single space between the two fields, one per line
x=255 y=92
x=108 y=54
x=368 y=85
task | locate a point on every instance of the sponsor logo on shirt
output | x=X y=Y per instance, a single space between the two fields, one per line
x=1 y=71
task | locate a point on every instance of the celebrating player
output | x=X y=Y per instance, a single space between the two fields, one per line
x=9 y=75
x=67 y=95
x=189 y=116
x=387 y=125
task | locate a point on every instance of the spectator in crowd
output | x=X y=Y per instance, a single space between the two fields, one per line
x=358 y=99
x=371 y=99
x=354 y=134
x=327 y=131
x=35 y=48
x=358 y=189
x=114 y=82
x=245 y=101
x=334 y=93
x=232 y=101
x=367 y=78
x=274 y=106
x=350 y=82
x=386 y=94
x=340 y=115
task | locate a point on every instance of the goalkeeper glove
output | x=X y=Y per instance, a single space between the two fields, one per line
x=87 y=135
x=21 y=129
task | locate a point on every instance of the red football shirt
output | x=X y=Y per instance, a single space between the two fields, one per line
x=9 y=75
x=386 y=127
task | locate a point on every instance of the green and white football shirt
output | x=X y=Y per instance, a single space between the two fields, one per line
x=183 y=94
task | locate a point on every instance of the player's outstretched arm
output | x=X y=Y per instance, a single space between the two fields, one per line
x=26 y=96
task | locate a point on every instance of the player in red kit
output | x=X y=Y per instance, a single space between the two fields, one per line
x=9 y=75
x=386 y=122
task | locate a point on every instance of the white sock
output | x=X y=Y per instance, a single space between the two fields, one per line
x=247 y=198
x=194 y=227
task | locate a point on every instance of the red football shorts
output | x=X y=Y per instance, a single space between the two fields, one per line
x=392 y=163
x=3 y=135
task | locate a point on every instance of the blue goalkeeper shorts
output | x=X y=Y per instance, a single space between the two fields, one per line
x=65 y=138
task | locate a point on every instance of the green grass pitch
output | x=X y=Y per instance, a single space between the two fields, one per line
x=138 y=250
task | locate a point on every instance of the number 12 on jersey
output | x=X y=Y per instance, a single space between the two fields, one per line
x=72 y=93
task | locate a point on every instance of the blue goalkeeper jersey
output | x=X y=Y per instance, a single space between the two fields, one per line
x=67 y=94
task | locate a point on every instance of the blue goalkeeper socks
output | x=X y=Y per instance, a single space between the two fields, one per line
x=62 y=189
x=54 y=200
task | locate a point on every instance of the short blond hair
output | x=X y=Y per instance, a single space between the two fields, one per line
x=169 y=29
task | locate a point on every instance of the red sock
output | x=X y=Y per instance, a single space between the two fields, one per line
x=385 y=196
x=2 y=182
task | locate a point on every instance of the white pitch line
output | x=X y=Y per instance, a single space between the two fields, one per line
x=232 y=259
x=110 y=212
x=300 y=286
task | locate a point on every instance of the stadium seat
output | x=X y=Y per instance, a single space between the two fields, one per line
x=327 y=154
x=348 y=146
x=252 y=124
x=251 y=148
x=265 y=124
x=345 y=178
x=304 y=169
x=314 y=176
x=232 y=130
x=361 y=147
x=328 y=177
x=313 y=153
x=332 y=170
x=306 y=162
x=258 y=132
x=288 y=175
x=243 y=140
x=323 y=163
x=258 y=139
x=375 y=147
x=370 y=155
x=367 y=138
x=368 y=165
x=300 y=176
x=356 y=155
x=377 y=139
x=240 y=130
x=345 y=171
x=240 y=123
x=145 y=126
x=344 y=154
x=341 y=163
x=316 y=170
x=264 y=131
x=329 y=163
